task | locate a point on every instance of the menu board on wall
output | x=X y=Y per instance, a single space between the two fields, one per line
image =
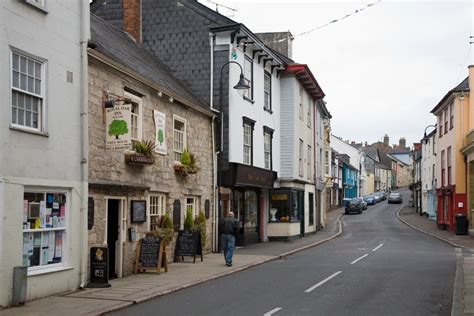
x=138 y=209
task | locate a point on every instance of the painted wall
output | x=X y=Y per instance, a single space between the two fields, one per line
x=51 y=159
x=239 y=107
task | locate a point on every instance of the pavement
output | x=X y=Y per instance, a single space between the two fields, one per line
x=137 y=288
x=463 y=298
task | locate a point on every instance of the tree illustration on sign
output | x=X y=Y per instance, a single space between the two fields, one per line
x=161 y=137
x=118 y=127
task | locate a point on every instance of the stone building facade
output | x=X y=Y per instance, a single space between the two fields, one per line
x=114 y=183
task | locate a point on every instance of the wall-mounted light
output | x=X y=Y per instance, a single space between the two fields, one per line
x=171 y=99
x=159 y=93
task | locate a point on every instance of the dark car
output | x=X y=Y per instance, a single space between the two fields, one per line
x=395 y=198
x=354 y=206
x=369 y=199
x=363 y=202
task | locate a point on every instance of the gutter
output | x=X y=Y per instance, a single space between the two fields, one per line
x=84 y=39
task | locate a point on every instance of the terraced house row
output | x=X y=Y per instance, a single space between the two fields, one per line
x=122 y=111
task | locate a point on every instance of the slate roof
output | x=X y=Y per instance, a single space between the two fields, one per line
x=463 y=86
x=121 y=48
x=385 y=159
x=372 y=152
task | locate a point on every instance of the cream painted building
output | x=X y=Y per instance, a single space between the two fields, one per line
x=43 y=132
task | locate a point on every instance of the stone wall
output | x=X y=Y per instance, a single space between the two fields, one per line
x=111 y=177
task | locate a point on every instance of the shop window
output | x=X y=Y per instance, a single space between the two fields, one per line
x=251 y=211
x=157 y=209
x=179 y=137
x=311 y=209
x=44 y=229
x=27 y=92
x=288 y=205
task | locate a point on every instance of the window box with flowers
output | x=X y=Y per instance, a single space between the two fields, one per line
x=187 y=165
x=141 y=153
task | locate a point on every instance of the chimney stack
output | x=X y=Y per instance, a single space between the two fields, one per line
x=402 y=143
x=282 y=42
x=385 y=141
x=132 y=18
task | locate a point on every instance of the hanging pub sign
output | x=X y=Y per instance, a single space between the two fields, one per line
x=160 y=128
x=118 y=127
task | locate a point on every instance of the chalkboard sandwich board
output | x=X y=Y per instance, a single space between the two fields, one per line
x=138 y=209
x=188 y=243
x=149 y=255
x=99 y=265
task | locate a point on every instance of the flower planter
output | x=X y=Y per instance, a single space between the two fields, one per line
x=184 y=170
x=137 y=159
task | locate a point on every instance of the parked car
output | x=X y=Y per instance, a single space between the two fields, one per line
x=377 y=197
x=364 y=203
x=395 y=198
x=369 y=199
x=354 y=206
x=383 y=195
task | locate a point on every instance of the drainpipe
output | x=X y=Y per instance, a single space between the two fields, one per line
x=215 y=219
x=85 y=35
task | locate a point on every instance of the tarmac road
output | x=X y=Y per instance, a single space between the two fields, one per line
x=377 y=266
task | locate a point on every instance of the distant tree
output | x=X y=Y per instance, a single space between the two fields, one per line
x=161 y=137
x=118 y=127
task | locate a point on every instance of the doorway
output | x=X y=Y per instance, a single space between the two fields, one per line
x=113 y=240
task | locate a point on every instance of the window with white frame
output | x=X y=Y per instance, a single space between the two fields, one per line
x=326 y=162
x=247 y=144
x=248 y=76
x=136 y=127
x=28 y=90
x=191 y=204
x=267 y=147
x=301 y=103
x=179 y=137
x=157 y=209
x=308 y=161
x=44 y=229
x=267 y=91
x=309 y=112
x=300 y=165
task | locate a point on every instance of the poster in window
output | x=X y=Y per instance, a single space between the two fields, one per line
x=118 y=127
x=58 y=253
x=160 y=135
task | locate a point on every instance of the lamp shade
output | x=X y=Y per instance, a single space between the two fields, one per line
x=241 y=85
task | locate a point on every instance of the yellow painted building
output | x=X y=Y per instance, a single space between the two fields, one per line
x=467 y=143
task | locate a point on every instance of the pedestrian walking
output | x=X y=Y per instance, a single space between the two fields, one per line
x=229 y=229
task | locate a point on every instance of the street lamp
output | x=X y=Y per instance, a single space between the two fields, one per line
x=427 y=128
x=241 y=85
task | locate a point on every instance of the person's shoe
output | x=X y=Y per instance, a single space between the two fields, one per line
x=228 y=264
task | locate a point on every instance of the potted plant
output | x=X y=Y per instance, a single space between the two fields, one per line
x=200 y=224
x=187 y=165
x=142 y=153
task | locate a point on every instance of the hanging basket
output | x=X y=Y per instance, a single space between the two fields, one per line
x=138 y=159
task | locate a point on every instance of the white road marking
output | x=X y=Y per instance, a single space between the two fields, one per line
x=273 y=311
x=322 y=282
x=377 y=247
x=356 y=260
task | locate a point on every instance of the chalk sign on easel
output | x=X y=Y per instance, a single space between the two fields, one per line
x=149 y=255
x=188 y=243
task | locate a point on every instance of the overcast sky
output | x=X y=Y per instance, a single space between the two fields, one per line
x=383 y=69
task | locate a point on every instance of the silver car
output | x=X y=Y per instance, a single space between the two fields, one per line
x=395 y=198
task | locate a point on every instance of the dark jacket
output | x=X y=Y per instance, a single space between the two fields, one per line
x=229 y=226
